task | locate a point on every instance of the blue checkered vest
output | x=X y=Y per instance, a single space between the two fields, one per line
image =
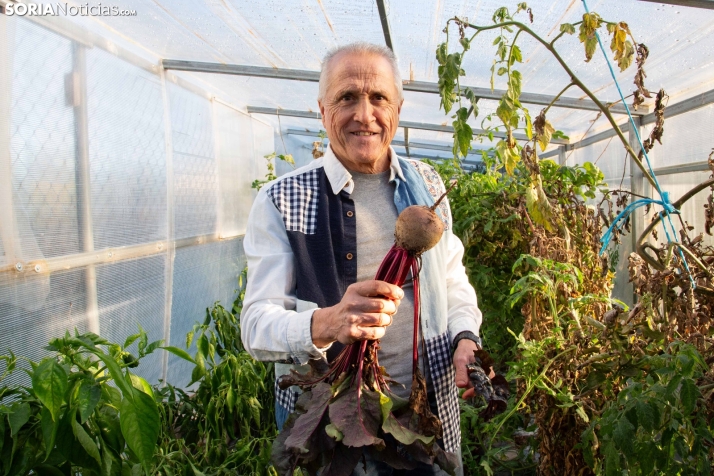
x=322 y=236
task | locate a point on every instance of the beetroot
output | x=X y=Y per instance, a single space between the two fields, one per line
x=348 y=409
x=418 y=229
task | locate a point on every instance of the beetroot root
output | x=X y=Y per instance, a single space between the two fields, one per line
x=418 y=229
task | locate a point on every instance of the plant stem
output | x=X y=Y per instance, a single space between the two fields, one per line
x=654 y=262
x=557 y=97
x=562 y=33
x=528 y=390
x=578 y=83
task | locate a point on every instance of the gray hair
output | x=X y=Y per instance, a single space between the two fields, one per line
x=360 y=47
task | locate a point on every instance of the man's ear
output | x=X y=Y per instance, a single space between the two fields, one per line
x=322 y=113
x=399 y=108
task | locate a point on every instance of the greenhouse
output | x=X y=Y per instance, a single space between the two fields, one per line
x=563 y=323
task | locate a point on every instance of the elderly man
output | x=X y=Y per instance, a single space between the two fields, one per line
x=316 y=237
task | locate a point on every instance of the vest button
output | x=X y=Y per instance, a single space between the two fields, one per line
x=349 y=256
x=350 y=214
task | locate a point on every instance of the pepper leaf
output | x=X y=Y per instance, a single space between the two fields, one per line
x=49 y=381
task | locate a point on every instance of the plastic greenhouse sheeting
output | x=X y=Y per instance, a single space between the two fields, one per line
x=125 y=188
x=125 y=194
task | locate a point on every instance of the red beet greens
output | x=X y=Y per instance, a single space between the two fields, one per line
x=346 y=409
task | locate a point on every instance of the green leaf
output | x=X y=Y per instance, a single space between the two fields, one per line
x=130 y=340
x=514 y=86
x=116 y=373
x=333 y=432
x=502 y=70
x=646 y=458
x=139 y=419
x=152 y=347
x=196 y=472
x=49 y=430
x=509 y=156
x=645 y=415
x=203 y=346
x=516 y=55
x=463 y=134
x=141 y=384
x=110 y=428
x=89 y=445
x=529 y=123
x=143 y=340
x=179 y=352
x=612 y=460
x=88 y=397
x=49 y=381
x=20 y=414
x=111 y=395
x=623 y=435
x=567 y=28
x=673 y=384
x=688 y=395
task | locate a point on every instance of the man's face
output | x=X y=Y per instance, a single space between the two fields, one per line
x=360 y=111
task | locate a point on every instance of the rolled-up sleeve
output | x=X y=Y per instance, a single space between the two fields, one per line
x=271 y=328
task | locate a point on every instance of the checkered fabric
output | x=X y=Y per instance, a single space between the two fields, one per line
x=285 y=398
x=296 y=197
x=443 y=374
x=436 y=188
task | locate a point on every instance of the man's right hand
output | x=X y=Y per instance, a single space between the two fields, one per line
x=364 y=312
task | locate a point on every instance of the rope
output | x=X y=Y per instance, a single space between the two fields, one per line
x=664 y=202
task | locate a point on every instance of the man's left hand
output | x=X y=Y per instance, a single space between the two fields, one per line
x=463 y=356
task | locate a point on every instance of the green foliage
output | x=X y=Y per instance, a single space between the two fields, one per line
x=227 y=426
x=656 y=424
x=488 y=216
x=87 y=413
x=73 y=418
x=270 y=176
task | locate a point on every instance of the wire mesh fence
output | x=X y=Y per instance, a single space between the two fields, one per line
x=119 y=188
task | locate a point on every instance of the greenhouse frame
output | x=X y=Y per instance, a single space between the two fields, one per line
x=130 y=142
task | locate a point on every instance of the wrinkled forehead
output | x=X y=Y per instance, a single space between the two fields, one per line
x=359 y=71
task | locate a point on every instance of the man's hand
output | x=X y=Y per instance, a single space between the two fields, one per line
x=464 y=355
x=365 y=311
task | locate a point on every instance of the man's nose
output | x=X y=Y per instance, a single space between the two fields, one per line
x=364 y=111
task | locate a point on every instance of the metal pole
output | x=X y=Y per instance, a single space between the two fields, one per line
x=562 y=157
x=637 y=186
x=171 y=248
x=8 y=224
x=78 y=84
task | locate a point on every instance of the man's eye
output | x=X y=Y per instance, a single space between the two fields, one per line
x=346 y=97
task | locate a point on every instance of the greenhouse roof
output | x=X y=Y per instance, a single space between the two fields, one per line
x=295 y=35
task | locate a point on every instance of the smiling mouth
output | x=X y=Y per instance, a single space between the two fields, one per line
x=364 y=133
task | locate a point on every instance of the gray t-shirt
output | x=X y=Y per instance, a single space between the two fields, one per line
x=376 y=215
